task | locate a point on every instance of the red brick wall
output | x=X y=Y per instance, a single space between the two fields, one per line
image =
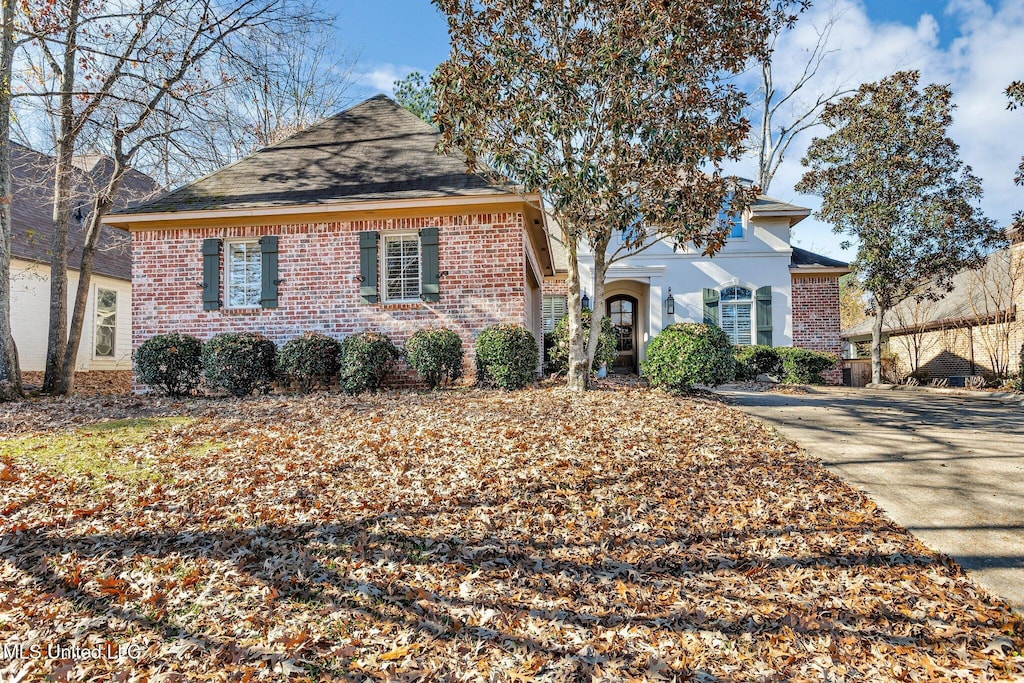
x=816 y=317
x=319 y=264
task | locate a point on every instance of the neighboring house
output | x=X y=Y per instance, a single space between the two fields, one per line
x=974 y=329
x=353 y=224
x=759 y=288
x=106 y=333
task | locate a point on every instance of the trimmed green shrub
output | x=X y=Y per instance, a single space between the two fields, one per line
x=803 y=366
x=436 y=356
x=239 y=363
x=558 y=353
x=752 y=361
x=310 y=361
x=171 y=363
x=366 y=359
x=685 y=354
x=506 y=357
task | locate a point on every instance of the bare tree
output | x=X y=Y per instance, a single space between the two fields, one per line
x=10 y=373
x=266 y=91
x=992 y=291
x=783 y=114
x=912 y=317
x=110 y=69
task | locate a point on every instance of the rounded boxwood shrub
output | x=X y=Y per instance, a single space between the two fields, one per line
x=803 y=366
x=558 y=352
x=752 y=361
x=436 y=356
x=685 y=354
x=239 y=363
x=506 y=357
x=171 y=363
x=365 y=360
x=310 y=361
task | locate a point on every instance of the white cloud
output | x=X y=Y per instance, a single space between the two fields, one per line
x=978 y=66
x=382 y=77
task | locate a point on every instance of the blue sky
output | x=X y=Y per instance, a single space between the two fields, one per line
x=974 y=45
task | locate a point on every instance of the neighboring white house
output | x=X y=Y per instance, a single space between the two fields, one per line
x=106 y=334
x=758 y=288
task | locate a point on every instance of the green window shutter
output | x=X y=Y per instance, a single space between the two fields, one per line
x=269 y=279
x=211 y=274
x=368 y=267
x=430 y=282
x=763 y=302
x=554 y=309
x=710 y=306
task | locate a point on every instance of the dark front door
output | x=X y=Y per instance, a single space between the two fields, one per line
x=622 y=313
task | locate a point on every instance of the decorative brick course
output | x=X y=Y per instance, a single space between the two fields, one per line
x=816 y=325
x=319 y=266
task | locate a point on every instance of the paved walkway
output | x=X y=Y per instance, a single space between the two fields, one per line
x=949 y=469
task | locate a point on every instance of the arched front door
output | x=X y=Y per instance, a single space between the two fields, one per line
x=622 y=313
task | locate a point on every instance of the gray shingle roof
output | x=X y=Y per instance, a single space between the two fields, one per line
x=802 y=258
x=976 y=293
x=765 y=205
x=375 y=150
x=32 y=211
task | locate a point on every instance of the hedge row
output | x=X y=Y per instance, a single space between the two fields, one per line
x=685 y=354
x=243 y=363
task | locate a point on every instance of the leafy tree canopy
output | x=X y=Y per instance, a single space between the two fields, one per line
x=415 y=93
x=892 y=179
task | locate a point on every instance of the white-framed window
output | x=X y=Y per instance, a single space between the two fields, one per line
x=737 y=315
x=105 y=332
x=243 y=270
x=734 y=221
x=401 y=267
x=555 y=308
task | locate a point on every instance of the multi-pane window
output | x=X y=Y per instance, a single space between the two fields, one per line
x=555 y=308
x=243 y=271
x=402 y=267
x=736 y=314
x=106 y=323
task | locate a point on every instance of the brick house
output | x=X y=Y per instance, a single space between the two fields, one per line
x=759 y=288
x=974 y=329
x=353 y=224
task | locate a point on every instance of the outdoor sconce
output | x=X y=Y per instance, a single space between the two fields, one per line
x=670 y=303
x=586 y=301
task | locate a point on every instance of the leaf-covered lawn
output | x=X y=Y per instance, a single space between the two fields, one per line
x=472 y=535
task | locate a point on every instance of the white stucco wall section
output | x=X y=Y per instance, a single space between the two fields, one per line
x=30 y=315
x=760 y=259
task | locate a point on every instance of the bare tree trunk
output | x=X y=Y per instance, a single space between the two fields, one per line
x=101 y=205
x=56 y=340
x=10 y=372
x=578 y=374
x=876 y=345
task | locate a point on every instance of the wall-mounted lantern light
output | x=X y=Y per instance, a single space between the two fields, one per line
x=670 y=303
x=586 y=301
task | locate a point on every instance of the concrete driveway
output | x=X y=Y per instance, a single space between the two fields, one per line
x=949 y=469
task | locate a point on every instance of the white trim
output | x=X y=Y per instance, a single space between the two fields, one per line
x=127 y=219
x=226 y=269
x=633 y=272
x=384 y=236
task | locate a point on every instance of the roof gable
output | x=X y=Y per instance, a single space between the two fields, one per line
x=32 y=179
x=376 y=150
